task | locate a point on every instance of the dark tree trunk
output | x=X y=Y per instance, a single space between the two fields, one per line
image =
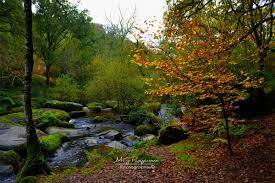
x=262 y=56
x=35 y=162
x=48 y=75
x=226 y=126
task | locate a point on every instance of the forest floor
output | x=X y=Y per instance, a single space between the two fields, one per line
x=253 y=161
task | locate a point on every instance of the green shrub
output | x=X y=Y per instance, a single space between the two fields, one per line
x=66 y=89
x=116 y=81
x=51 y=143
x=146 y=129
x=10 y=158
x=236 y=131
x=139 y=117
x=153 y=107
x=66 y=106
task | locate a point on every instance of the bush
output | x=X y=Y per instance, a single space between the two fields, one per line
x=119 y=82
x=153 y=107
x=146 y=129
x=50 y=143
x=10 y=158
x=140 y=117
x=66 y=106
x=66 y=89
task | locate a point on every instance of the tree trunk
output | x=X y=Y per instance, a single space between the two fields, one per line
x=48 y=75
x=262 y=55
x=226 y=126
x=35 y=162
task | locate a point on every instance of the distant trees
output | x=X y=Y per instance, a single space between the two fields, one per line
x=55 y=24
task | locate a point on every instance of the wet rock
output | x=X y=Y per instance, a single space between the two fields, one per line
x=70 y=154
x=66 y=106
x=107 y=110
x=6 y=170
x=111 y=134
x=70 y=133
x=130 y=140
x=82 y=123
x=86 y=109
x=118 y=145
x=77 y=114
x=12 y=137
x=90 y=141
x=148 y=137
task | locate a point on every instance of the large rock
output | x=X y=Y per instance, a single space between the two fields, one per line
x=12 y=137
x=172 y=134
x=77 y=114
x=70 y=133
x=66 y=106
x=146 y=129
x=130 y=140
x=118 y=145
x=111 y=134
x=148 y=137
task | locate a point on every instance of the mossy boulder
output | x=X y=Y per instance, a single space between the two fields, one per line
x=10 y=158
x=48 y=119
x=18 y=118
x=95 y=107
x=66 y=106
x=140 y=117
x=50 y=143
x=172 y=134
x=98 y=119
x=146 y=129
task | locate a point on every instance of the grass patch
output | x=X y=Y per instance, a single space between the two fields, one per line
x=10 y=119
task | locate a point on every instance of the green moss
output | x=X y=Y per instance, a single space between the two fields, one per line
x=101 y=156
x=37 y=113
x=98 y=119
x=48 y=119
x=66 y=106
x=95 y=107
x=8 y=119
x=10 y=157
x=139 y=155
x=146 y=144
x=51 y=143
x=146 y=129
x=186 y=161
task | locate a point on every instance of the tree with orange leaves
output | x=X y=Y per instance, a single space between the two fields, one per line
x=197 y=60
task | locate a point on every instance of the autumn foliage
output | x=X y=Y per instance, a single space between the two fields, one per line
x=197 y=60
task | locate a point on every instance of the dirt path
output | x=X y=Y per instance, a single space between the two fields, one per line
x=254 y=165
